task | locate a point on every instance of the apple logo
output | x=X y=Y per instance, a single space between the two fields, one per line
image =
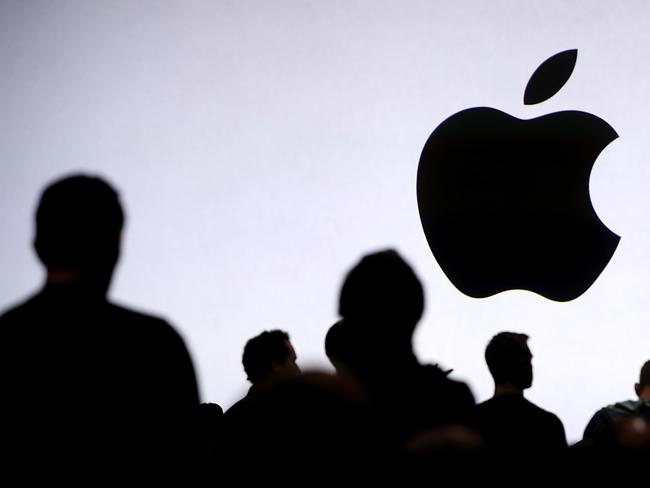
x=504 y=202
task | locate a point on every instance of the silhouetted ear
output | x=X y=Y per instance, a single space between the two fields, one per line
x=637 y=389
x=550 y=76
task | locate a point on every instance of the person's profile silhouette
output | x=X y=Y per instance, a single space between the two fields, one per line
x=268 y=358
x=508 y=421
x=88 y=382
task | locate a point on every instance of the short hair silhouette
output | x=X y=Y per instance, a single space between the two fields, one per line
x=508 y=359
x=78 y=222
x=383 y=288
x=262 y=351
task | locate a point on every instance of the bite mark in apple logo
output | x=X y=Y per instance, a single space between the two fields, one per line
x=505 y=203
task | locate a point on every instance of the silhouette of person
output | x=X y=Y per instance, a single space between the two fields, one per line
x=88 y=382
x=607 y=428
x=268 y=358
x=310 y=419
x=340 y=349
x=508 y=421
x=381 y=302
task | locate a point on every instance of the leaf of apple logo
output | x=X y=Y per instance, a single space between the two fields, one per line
x=505 y=202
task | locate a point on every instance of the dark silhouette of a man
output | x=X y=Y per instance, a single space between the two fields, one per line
x=381 y=303
x=268 y=359
x=316 y=421
x=606 y=427
x=87 y=383
x=508 y=421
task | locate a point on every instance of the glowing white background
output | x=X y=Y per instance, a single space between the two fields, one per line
x=261 y=147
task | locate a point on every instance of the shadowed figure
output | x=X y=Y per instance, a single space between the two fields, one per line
x=341 y=349
x=268 y=358
x=381 y=303
x=88 y=383
x=623 y=424
x=508 y=421
x=312 y=420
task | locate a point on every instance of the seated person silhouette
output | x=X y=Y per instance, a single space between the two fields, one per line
x=606 y=428
x=268 y=358
x=381 y=302
x=87 y=381
x=508 y=421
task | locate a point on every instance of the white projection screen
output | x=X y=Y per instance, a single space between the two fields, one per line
x=260 y=148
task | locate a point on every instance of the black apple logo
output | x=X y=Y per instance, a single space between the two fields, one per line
x=505 y=202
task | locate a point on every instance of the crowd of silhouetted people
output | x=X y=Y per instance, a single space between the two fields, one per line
x=92 y=387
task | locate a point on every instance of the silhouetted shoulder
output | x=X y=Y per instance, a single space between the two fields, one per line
x=145 y=323
x=238 y=408
x=26 y=322
x=457 y=389
x=107 y=373
x=599 y=425
x=511 y=402
x=160 y=350
x=554 y=423
x=17 y=311
x=604 y=420
x=428 y=398
x=70 y=321
x=510 y=421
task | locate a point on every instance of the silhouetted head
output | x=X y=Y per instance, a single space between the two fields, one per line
x=336 y=346
x=642 y=388
x=509 y=360
x=342 y=348
x=269 y=356
x=383 y=292
x=78 y=226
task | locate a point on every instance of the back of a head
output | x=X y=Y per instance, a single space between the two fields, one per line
x=78 y=224
x=509 y=360
x=383 y=289
x=644 y=376
x=262 y=351
x=345 y=349
x=642 y=388
x=336 y=343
